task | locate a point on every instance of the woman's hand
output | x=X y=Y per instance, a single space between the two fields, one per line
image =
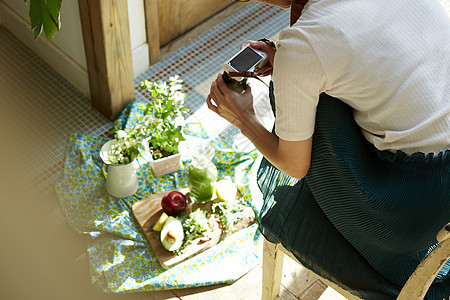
x=270 y=52
x=232 y=106
x=293 y=158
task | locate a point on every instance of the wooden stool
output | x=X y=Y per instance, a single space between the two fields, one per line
x=415 y=288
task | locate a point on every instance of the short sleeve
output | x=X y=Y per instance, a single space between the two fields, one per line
x=298 y=79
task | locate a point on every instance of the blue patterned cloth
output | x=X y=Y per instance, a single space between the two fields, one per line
x=120 y=257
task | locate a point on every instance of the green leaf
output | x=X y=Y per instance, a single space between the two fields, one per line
x=35 y=13
x=54 y=8
x=50 y=26
x=45 y=15
x=37 y=31
x=50 y=17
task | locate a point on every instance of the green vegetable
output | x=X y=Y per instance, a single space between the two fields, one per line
x=172 y=234
x=229 y=213
x=201 y=182
x=194 y=225
x=197 y=223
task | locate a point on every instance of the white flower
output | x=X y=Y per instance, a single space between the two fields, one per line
x=121 y=134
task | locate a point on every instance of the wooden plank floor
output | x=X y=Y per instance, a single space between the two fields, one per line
x=41 y=256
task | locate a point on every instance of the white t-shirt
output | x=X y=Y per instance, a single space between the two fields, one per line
x=388 y=59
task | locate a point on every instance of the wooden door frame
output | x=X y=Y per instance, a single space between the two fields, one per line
x=152 y=30
x=107 y=44
x=106 y=35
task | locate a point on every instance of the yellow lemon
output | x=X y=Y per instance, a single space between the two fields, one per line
x=160 y=223
x=226 y=190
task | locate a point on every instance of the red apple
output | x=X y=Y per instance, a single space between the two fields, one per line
x=173 y=203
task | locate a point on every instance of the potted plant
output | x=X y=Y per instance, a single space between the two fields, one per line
x=162 y=123
x=119 y=154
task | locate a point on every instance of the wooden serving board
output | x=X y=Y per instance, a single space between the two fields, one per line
x=148 y=210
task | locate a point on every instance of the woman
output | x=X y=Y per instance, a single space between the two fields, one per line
x=362 y=117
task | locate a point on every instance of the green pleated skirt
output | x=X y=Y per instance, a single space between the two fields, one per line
x=361 y=218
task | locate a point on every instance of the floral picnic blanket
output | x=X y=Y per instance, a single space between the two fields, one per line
x=121 y=259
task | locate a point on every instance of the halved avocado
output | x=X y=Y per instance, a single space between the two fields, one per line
x=172 y=234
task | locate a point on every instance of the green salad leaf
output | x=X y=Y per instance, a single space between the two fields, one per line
x=194 y=225
x=229 y=213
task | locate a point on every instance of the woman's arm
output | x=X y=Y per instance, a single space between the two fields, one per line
x=292 y=158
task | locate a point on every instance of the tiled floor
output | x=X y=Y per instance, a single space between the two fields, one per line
x=41 y=256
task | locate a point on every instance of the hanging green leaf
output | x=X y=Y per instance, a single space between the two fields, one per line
x=45 y=15
x=35 y=13
x=50 y=17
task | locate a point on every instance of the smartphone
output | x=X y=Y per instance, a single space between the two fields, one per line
x=247 y=59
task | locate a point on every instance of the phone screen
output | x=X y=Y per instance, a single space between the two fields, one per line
x=245 y=60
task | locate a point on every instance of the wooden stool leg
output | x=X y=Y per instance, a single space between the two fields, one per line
x=272 y=267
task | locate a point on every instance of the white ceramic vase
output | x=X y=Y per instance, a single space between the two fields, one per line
x=121 y=180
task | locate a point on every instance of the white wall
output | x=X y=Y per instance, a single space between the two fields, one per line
x=138 y=36
x=70 y=38
x=65 y=52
